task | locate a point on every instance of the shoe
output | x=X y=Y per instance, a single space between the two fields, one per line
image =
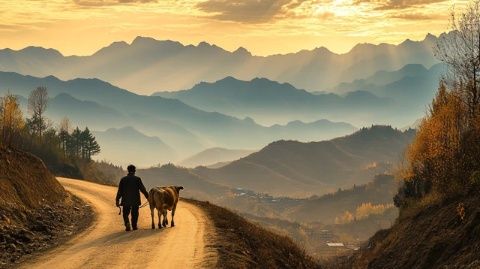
x=127 y=228
x=135 y=228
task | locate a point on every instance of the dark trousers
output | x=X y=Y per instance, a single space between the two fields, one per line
x=126 y=212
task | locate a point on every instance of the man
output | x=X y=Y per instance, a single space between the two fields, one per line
x=129 y=191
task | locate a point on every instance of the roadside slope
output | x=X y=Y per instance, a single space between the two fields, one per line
x=431 y=236
x=36 y=213
x=242 y=244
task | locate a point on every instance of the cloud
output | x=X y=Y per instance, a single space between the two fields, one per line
x=416 y=16
x=101 y=3
x=397 y=4
x=9 y=27
x=247 y=11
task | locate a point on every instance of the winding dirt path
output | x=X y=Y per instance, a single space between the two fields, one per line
x=106 y=245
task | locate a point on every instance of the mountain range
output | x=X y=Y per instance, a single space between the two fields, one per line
x=185 y=129
x=389 y=97
x=147 y=65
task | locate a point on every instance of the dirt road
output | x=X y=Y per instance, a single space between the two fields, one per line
x=106 y=245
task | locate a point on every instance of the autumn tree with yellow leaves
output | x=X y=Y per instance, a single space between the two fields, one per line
x=11 y=119
x=445 y=154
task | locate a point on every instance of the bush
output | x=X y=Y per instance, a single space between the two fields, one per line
x=475 y=179
x=411 y=188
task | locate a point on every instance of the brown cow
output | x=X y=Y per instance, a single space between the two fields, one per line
x=163 y=199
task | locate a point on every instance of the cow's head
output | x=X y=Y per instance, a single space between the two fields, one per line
x=178 y=188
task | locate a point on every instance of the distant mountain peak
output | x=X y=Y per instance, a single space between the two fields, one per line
x=229 y=78
x=150 y=41
x=407 y=41
x=430 y=37
x=114 y=46
x=322 y=49
x=119 y=44
x=206 y=45
x=140 y=39
x=41 y=51
x=242 y=51
x=361 y=47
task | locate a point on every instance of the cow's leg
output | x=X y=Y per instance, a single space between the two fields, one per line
x=165 y=219
x=152 y=213
x=173 y=214
x=159 y=218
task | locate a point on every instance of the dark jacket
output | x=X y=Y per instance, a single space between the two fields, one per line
x=129 y=190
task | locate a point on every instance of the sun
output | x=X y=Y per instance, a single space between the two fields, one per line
x=339 y=8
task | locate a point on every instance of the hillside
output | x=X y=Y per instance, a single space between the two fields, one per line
x=326 y=208
x=35 y=211
x=295 y=169
x=433 y=236
x=147 y=65
x=213 y=156
x=247 y=245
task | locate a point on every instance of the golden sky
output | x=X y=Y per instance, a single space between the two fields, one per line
x=264 y=27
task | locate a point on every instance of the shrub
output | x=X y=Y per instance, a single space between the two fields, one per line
x=475 y=179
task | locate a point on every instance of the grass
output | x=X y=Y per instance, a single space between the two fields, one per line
x=242 y=244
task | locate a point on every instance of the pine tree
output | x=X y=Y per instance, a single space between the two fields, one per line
x=75 y=143
x=92 y=146
x=64 y=135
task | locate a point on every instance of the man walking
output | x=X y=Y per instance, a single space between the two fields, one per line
x=129 y=192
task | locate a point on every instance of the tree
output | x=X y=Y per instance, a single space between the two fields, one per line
x=64 y=134
x=11 y=119
x=460 y=50
x=74 y=143
x=91 y=146
x=37 y=105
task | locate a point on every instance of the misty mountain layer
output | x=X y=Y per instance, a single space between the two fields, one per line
x=147 y=65
x=184 y=129
x=396 y=97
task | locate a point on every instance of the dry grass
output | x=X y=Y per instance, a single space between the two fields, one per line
x=432 y=234
x=242 y=244
x=36 y=213
x=416 y=206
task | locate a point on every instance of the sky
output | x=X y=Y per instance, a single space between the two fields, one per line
x=264 y=27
